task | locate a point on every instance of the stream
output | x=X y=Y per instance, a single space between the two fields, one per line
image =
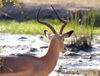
x=36 y=45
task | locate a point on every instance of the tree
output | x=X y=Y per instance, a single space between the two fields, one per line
x=4 y=2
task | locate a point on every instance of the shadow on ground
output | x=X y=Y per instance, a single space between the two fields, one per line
x=29 y=11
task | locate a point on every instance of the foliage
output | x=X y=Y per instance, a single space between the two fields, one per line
x=89 y=25
x=4 y=2
x=33 y=27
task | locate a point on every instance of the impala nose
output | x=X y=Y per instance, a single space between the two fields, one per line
x=64 y=50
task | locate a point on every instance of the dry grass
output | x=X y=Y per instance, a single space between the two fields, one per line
x=91 y=72
x=59 y=1
x=87 y=72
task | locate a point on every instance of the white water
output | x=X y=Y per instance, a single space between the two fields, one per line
x=11 y=44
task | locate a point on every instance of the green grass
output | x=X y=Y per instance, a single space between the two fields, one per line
x=25 y=27
x=90 y=25
x=33 y=27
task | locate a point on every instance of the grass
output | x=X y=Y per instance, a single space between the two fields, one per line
x=90 y=25
x=25 y=27
x=91 y=72
x=94 y=72
x=33 y=27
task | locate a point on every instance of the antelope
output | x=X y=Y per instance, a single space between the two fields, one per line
x=28 y=65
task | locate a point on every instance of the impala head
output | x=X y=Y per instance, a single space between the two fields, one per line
x=59 y=37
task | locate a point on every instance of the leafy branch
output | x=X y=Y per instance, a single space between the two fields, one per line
x=4 y=2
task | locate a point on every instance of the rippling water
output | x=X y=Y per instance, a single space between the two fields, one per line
x=21 y=44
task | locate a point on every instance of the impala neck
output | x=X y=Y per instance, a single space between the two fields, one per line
x=50 y=59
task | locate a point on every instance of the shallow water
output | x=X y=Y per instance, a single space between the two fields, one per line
x=21 y=44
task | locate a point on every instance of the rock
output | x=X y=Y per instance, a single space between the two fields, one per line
x=41 y=37
x=90 y=60
x=76 y=47
x=12 y=54
x=72 y=46
x=33 y=50
x=22 y=38
x=88 y=57
x=15 y=54
x=22 y=49
x=91 y=57
x=4 y=46
x=74 y=50
x=72 y=54
x=30 y=53
x=43 y=47
x=80 y=61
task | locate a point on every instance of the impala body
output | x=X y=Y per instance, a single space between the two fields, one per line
x=28 y=65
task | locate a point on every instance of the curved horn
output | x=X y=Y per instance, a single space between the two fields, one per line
x=63 y=21
x=48 y=25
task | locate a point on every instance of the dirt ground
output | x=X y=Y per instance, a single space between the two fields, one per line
x=29 y=11
x=58 y=1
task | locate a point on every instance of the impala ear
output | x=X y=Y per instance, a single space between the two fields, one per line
x=47 y=33
x=66 y=35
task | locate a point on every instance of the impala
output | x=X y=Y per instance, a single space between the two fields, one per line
x=28 y=65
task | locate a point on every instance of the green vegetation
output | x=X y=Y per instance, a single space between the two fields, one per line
x=33 y=27
x=90 y=24
x=4 y=2
x=27 y=27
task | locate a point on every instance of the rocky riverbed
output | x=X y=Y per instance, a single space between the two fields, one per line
x=36 y=45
